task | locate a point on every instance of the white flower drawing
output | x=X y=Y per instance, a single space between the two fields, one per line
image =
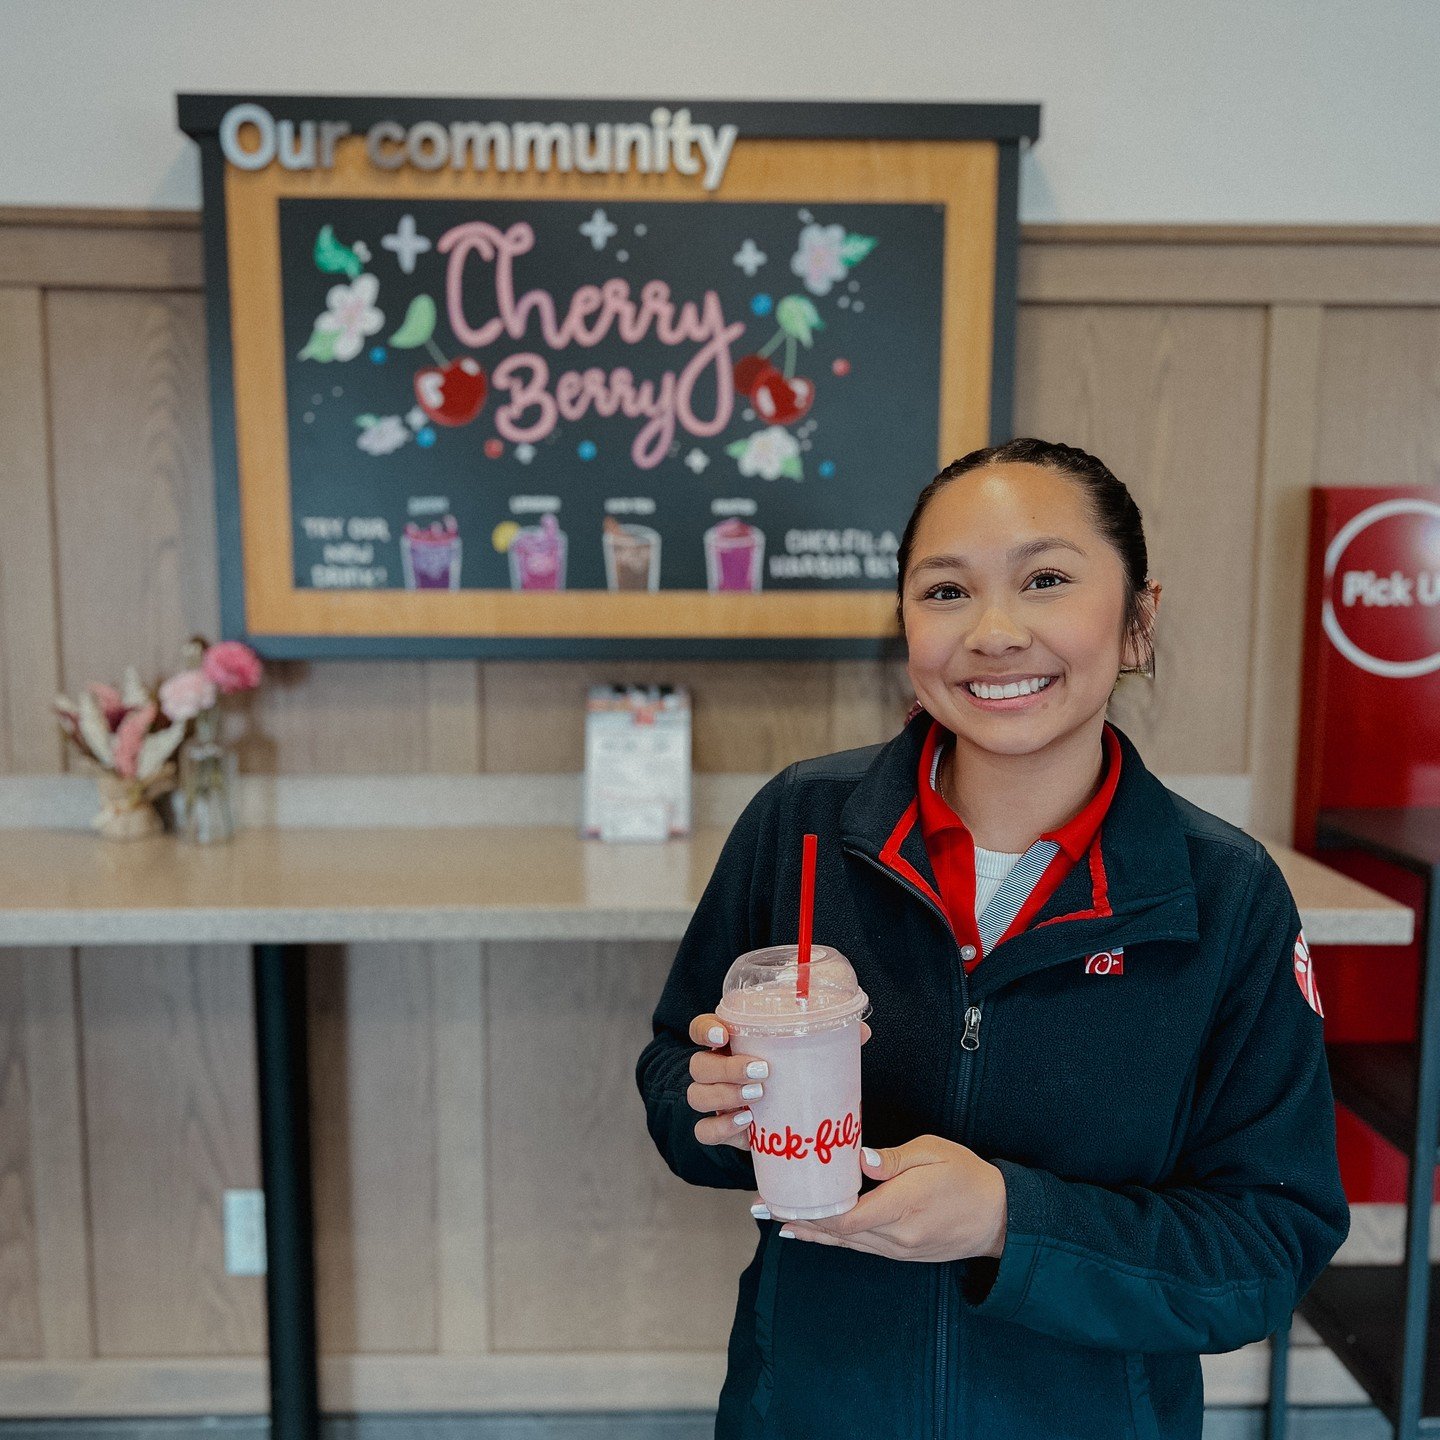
x=768 y=453
x=383 y=436
x=818 y=261
x=351 y=315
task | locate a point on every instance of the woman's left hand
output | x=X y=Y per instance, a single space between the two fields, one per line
x=937 y=1201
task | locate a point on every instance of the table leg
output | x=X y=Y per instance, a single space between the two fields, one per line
x=1422 y=1172
x=279 y=972
x=1276 y=1412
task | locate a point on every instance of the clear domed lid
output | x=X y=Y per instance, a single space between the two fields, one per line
x=761 y=992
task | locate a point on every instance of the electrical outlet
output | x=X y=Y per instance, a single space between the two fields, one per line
x=244 y=1232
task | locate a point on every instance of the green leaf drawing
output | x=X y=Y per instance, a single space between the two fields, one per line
x=791 y=468
x=419 y=324
x=856 y=247
x=798 y=318
x=321 y=346
x=736 y=448
x=367 y=420
x=333 y=257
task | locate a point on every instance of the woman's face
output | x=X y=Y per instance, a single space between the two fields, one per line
x=1009 y=582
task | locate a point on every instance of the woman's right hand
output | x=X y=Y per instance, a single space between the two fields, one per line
x=724 y=1084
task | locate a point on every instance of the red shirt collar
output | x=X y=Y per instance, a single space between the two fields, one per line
x=1073 y=837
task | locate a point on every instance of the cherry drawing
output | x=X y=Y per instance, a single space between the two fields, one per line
x=779 y=396
x=450 y=392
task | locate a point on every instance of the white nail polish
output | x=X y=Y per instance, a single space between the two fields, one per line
x=760 y=1211
x=743 y=1117
x=872 y=1157
x=758 y=1070
x=717 y=1035
x=751 y=1092
x=788 y=1233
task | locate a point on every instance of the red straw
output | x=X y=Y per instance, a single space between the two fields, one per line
x=807 y=915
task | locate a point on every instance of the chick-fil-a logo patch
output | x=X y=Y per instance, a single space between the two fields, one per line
x=1382 y=589
x=829 y=1136
x=534 y=404
x=1106 y=962
x=1305 y=975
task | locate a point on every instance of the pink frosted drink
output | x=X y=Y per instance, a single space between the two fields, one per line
x=805 y=1135
x=537 y=556
x=431 y=557
x=733 y=555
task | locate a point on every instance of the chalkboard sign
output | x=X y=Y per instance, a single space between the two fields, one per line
x=472 y=397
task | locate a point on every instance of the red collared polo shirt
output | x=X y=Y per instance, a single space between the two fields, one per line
x=951 y=846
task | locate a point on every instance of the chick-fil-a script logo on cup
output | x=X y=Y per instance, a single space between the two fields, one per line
x=805 y=1131
x=1382 y=588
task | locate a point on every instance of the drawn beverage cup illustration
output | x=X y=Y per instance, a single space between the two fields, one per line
x=734 y=555
x=431 y=556
x=537 y=556
x=632 y=556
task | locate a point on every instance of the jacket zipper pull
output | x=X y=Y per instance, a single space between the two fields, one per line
x=970 y=1040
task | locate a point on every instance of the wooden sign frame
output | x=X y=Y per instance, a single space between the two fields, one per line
x=962 y=157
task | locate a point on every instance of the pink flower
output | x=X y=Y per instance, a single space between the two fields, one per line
x=130 y=737
x=184 y=696
x=233 y=666
x=107 y=697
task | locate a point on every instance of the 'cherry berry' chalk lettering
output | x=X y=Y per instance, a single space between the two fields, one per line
x=594 y=311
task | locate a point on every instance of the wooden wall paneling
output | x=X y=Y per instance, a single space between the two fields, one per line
x=364 y=717
x=372 y=1102
x=1077 y=271
x=29 y=664
x=869 y=700
x=1292 y=374
x=57 y=1152
x=134 y=503
x=752 y=717
x=67 y=249
x=169 y=1125
x=461 y=1105
x=1169 y=399
x=595 y=1244
x=1379 y=398
x=20 y=1309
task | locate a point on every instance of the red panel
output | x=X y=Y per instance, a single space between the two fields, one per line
x=1370 y=736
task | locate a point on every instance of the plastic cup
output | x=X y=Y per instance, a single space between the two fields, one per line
x=805 y=1134
x=537 y=556
x=632 y=556
x=734 y=553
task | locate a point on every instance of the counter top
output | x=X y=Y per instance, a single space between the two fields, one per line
x=66 y=887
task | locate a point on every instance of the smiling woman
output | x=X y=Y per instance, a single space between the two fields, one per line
x=1023 y=596
x=1085 y=1167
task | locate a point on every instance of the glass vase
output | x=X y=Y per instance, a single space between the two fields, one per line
x=206 y=782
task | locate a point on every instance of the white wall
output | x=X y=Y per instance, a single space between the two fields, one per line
x=1324 y=111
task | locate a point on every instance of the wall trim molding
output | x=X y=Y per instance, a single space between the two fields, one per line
x=1034 y=232
x=71 y=247
x=548 y=1384
x=67 y=802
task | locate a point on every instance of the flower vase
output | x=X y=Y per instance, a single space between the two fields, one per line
x=206 y=771
x=127 y=810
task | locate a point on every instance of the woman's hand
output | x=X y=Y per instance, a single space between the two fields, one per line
x=938 y=1201
x=725 y=1084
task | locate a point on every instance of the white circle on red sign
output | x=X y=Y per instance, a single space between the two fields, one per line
x=1381 y=605
x=1305 y=975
